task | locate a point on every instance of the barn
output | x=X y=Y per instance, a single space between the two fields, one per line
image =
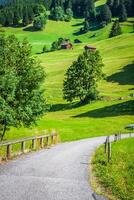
x=66 y=45
x=87 y=47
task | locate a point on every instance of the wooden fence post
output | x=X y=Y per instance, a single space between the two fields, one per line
x=23 y=147
x=52 y=139
x=9 y=149
x=34 y=144
x=47 y=141
x=105 y=145
x=115 y=137
x=109 y=151
x=41 y=142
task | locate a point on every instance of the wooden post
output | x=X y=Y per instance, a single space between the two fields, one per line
x=23 y=147
x=34 y=144
x=56 y=138
x=115 y=137
x=109 y=151
x=47 y=141
x=9 y=149
x=52 y=139
x=41 y=143
x=105 y=145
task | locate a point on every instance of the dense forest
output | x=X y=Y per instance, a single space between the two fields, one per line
x=15 y=12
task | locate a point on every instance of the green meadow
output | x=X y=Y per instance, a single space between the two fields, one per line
x=117 y=176
x=74 y=121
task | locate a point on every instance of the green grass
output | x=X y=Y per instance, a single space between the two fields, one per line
x=117 y=177
x=105 y=117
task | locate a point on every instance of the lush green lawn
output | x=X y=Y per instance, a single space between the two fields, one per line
x=117 y=177
x=99 y=118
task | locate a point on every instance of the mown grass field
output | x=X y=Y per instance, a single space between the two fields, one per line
x=105 y=117
x=116 y=177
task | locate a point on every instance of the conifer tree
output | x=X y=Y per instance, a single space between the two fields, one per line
x=25 y=20
x=16 y=17
x=116 y=29
x=122 y=12
x=86 y=26
x=105 y=14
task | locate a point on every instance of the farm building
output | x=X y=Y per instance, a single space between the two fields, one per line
x=87 y=47
x=66 y=45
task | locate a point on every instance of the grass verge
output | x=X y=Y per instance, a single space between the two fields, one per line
x=116 y=178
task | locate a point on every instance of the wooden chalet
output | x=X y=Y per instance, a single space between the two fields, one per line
x=66 y=45
x=87 y=47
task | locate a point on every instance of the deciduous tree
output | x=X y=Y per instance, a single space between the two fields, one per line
x=21 y=75
x=82 y=77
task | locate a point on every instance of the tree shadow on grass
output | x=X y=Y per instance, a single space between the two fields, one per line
x=124 y=77
x=62 y=107
x=29 y=28
x=78 y=24
x=125 y=108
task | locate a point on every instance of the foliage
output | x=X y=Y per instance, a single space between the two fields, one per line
x=82 y=76
x=69 y=14
x=116 y=29
x=117 y=176
x=105 y=14
x=25 y=11
x=44 y=49
x=86 y=26
x=122 y=13
x=39 y=22
x=126 y=6
x=57 y=14
x=21 y=97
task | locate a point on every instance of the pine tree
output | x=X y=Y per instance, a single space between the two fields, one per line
x=89 y=9
x=25 y=20
x=86 y=26
x=30 y=14
x=16 y=17
x=122 y=12
x=105 y=14
x=115 y=8
x=116 y=29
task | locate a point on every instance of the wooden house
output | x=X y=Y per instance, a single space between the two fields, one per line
x=66 y=45
x=87 y=47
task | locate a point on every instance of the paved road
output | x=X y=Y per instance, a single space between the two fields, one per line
x=59 y=173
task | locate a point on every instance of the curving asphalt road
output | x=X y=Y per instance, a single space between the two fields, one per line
x=59 y=173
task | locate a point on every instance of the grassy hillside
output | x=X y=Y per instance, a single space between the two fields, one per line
x=117 y=176
x=99 y=118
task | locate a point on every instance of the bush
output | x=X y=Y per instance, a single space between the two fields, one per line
x=39 y=22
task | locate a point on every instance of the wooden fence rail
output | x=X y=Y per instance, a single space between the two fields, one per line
x=39 y=142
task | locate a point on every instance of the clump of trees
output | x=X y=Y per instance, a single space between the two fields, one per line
x=40 y=22
x=22 y=99
x=23 y=12
x=116 y=29
x=121 y=8
x=82 y=76
x=58 y=14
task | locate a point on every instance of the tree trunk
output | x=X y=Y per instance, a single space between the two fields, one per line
x=3 y=134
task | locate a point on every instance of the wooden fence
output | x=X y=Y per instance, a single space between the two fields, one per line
x=37 y=142
x=108 y=144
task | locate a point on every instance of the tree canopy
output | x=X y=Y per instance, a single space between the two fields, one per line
x=22 y=99
x=82 y=76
